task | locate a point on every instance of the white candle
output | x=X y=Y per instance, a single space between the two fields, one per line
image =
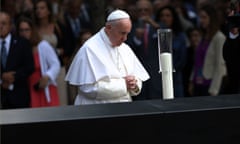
x=167 y=81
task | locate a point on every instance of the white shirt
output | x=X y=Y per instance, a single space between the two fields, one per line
x=233 y=36
x=7 y=46
x=7 y=43
x=98 y=70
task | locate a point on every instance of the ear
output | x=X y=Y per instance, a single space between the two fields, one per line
x=108 y=26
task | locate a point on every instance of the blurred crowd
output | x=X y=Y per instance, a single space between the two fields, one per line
x=200 y=33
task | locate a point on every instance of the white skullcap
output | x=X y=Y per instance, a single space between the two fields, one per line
x=117 y=14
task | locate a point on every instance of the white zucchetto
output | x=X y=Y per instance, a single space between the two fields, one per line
x=117 y=14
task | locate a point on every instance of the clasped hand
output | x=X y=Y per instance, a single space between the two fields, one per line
x=131 y=82
x=7 y=79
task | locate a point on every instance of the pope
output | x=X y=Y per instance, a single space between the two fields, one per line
x=105 y=69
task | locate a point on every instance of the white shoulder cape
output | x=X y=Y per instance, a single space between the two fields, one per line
x=94 y=62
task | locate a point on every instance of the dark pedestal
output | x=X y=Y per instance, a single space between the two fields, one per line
x=197 y=120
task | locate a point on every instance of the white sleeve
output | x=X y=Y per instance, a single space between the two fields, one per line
x=50 y=62
x=105 y=89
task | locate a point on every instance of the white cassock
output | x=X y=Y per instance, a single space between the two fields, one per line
x=98 y=70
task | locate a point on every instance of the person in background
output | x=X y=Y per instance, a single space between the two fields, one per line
x=168 y=18
x=73 y=25
x=231 y=50
x=16 y=66
x=25 y=9
x=42 y=83
x=50 y=30
x=194 y=37
x=105 y=69
x=183 y=14
x=209 y=65
x=158 y=4
x=142 y=39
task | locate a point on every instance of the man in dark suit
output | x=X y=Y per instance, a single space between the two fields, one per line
x=75 y=22
x=143 y=41
x=16 y=66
